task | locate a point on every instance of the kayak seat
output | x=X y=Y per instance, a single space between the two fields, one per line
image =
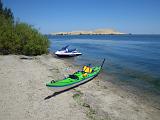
x=73 y=76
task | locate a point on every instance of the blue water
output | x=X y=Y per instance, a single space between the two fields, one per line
x=130 y=58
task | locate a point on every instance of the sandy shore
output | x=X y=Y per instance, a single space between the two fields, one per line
x=23 y=90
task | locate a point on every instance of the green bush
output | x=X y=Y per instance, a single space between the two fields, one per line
x=20 y=38
x=32 y=42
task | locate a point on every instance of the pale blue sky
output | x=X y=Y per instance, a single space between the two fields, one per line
x=129 y=16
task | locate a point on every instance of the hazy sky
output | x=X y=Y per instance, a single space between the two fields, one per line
x=129 y=16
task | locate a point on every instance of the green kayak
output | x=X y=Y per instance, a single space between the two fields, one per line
x=75 y=79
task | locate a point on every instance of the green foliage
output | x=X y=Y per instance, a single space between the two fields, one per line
x=19 y=38
x=32 y=42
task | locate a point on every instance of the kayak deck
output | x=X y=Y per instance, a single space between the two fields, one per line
x=75 y=78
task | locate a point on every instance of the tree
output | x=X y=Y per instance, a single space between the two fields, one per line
x=1 y=6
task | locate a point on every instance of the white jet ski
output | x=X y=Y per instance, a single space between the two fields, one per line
x=65 y=52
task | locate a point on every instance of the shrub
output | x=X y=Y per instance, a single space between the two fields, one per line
x=18 y=37
x=32 y=42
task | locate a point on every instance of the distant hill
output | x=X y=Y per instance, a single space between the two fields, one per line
x=95 y=32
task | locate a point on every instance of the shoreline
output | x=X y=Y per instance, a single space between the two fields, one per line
x=23 y=91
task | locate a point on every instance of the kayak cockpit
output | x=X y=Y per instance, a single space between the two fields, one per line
x=73 y=76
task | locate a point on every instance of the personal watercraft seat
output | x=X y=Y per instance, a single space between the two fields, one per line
x=72 y=50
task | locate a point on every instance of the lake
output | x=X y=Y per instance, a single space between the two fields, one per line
x=131 y=59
